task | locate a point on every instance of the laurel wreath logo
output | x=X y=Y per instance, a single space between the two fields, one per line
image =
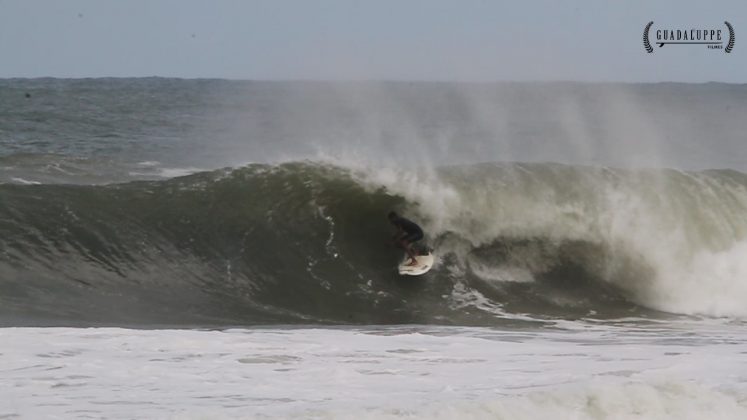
x=730 y=45
x=649 y=49
x=646 y=44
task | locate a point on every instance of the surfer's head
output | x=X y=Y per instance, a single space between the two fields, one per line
x=392 y=216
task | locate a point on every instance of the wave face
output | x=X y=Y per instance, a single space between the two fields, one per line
x=308 y=243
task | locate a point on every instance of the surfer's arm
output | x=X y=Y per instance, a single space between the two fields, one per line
x=399 y=234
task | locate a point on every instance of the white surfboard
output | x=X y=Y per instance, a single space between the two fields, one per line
x=425 y=263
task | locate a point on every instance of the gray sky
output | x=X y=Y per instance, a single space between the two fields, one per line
x=465 y=40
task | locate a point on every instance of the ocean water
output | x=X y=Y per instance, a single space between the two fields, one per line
x=220 y=249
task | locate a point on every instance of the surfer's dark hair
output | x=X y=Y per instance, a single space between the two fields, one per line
x=392 y=215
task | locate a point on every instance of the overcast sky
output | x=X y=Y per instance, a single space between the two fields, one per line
x=465 y=40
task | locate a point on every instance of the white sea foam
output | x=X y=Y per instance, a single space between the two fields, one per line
x=24 y=181
x=598 y=399
x=155 y=171
x=149 y=163
x=176 y=172
x=592 y=370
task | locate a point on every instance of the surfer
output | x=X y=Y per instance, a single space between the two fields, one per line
x=408 y=232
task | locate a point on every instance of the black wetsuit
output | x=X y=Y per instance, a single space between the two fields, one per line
x=413 y=232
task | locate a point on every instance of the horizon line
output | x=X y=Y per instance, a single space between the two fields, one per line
x=364 y=81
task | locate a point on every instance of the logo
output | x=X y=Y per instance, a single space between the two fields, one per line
x=712 y=38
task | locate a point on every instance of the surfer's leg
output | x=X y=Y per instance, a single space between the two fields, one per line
x=411 y=254
x=402 y=243
x=410 y=241
x=407 y=245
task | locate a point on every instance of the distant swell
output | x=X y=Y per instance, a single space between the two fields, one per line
x=308 y=243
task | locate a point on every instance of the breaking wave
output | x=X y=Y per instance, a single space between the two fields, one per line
x=308 y=242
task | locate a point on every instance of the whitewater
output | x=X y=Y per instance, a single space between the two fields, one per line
x=573 y=371
x=219 y=249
